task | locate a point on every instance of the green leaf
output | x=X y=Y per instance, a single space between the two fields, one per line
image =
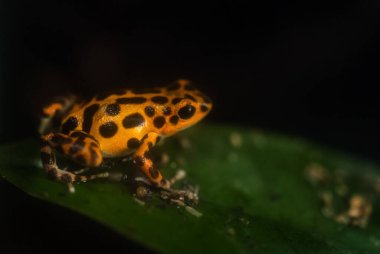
x=253 y=195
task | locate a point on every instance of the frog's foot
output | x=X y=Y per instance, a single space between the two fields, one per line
x=186 y=197
x=64 y=176
x=50 y=166
x=80 y=171
x=180 y=175
x=164 y=184
x=71 y=187
x=85 y=178
x=77 y=146
x=167 y=184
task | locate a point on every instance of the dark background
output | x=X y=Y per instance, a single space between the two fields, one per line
x=306 y=68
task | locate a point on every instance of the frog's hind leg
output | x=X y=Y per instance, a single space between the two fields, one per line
x=54 y=111
x=78 y=146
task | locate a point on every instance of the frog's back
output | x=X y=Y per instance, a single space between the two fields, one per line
x=119 y=121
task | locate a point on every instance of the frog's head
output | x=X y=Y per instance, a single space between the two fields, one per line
x=189 y=107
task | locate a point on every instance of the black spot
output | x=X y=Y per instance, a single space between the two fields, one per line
x=76 y=146
x=94 y=156
x=60 y=139
x=139 y=161
x=160 y=99
x=108 y=129
x=173 y=87
x=145 y=137
x=131 y=100
x=47 y=158
x=174 y=120
x=88 y=116
x=133 y=120
x=150 y=145
x=66 y=178
x=145 y=90
x=176 y=100
x=81 y=160
x=69 y=125
x=76 y=134
x=147 y=155
x=113 y=109
x=186 y=112
x=167 y=111
x=153 y=172
x=188 y=96
x=204 y=108
x=149 y=111
x=133 y=143
x=79 y=142
x=159 y=121
x=81 y=135
x=189 y=87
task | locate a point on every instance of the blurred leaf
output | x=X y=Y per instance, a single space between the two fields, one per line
x=253 y=196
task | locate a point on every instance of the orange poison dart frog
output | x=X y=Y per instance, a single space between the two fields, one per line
x=128 y=122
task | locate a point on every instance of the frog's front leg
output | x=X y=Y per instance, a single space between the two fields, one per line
x=54 y=111
x=142 y=159
x=77 y=146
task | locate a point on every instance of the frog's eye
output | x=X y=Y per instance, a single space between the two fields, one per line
x=186 y=112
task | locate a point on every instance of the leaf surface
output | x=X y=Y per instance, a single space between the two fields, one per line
x=253 y=195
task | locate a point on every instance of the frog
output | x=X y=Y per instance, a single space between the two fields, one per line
x=127 y=122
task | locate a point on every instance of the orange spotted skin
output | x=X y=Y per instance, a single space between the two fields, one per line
x=126 y=122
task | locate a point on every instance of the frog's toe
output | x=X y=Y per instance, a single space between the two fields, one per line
x=165 y=184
